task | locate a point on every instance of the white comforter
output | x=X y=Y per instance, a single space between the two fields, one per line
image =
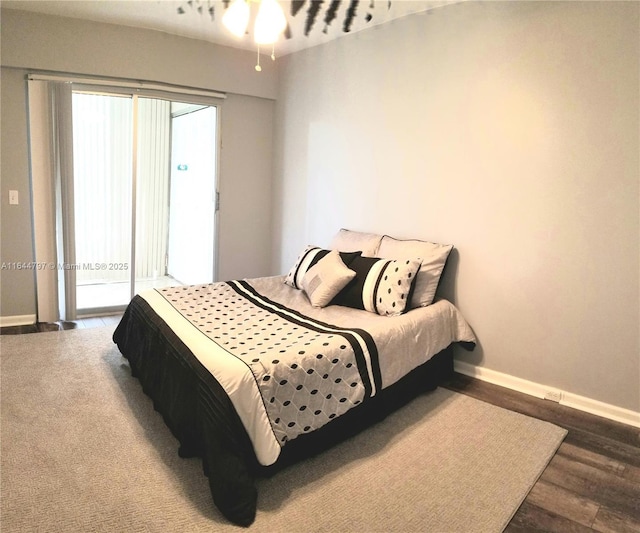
x=402 y=343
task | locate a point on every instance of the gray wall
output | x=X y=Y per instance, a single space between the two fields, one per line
x=33 y=41
x=509 y=129
x=18 y=288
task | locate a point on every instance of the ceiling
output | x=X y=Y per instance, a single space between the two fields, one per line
x=201 y=19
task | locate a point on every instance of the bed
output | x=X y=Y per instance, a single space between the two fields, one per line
x=251 y=375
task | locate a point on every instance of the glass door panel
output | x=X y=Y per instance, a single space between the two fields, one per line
x=192 y=196
x=102 y=147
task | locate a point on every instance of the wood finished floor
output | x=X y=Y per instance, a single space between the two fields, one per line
x=593 y=481
x=591 y=484
x=92 y=322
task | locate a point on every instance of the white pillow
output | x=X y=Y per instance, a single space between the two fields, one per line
x=356 y=241
x=324 y=280
x=433 y=256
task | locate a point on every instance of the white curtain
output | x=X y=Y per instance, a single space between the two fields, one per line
x=51 y=155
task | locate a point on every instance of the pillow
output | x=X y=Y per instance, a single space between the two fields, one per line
x=350 y=241
x=309 y=257
x=324 y=280
x=381 y=286
x=434 y=256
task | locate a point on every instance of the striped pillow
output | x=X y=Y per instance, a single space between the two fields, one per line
x=434 y=257
x=381 y=286
x=309 y=257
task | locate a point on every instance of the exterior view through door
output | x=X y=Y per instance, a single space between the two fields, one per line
x=192 y=195
x=144 y=196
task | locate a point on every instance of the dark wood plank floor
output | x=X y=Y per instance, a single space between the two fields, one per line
x=591 y=484
x=92 y=322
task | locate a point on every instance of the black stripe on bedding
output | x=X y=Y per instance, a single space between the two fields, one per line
x=377 y=286
x=316 y=325
x=319 y=254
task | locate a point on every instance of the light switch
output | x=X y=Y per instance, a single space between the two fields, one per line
x=13 y=197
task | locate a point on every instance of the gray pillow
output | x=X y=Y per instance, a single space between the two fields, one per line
x=324 y=280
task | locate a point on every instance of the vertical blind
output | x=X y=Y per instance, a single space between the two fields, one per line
x=43 y=186
x=152 y=198
x=103 y=129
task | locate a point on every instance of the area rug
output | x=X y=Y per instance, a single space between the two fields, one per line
x=82 y=449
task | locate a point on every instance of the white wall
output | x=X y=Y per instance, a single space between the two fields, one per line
x=507 y=129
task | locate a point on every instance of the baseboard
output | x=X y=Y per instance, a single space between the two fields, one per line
x=18 y=320
x=582 y=403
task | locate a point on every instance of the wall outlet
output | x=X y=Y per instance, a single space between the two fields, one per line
x=13 y=197
x=553 y=395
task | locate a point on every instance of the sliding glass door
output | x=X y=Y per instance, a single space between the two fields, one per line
x=144 y=195
x=123 y=183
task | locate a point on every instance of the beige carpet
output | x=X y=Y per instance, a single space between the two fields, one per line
x=83 y=450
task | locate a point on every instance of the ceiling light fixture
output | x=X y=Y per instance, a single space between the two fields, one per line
x=269 y=24
x=236 y=18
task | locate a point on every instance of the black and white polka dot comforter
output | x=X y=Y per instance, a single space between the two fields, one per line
x=290 y=368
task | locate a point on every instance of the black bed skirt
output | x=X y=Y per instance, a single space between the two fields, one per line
x=201 y=416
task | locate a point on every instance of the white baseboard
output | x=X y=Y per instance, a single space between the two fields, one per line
x=594 y=407
x=18 y=320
